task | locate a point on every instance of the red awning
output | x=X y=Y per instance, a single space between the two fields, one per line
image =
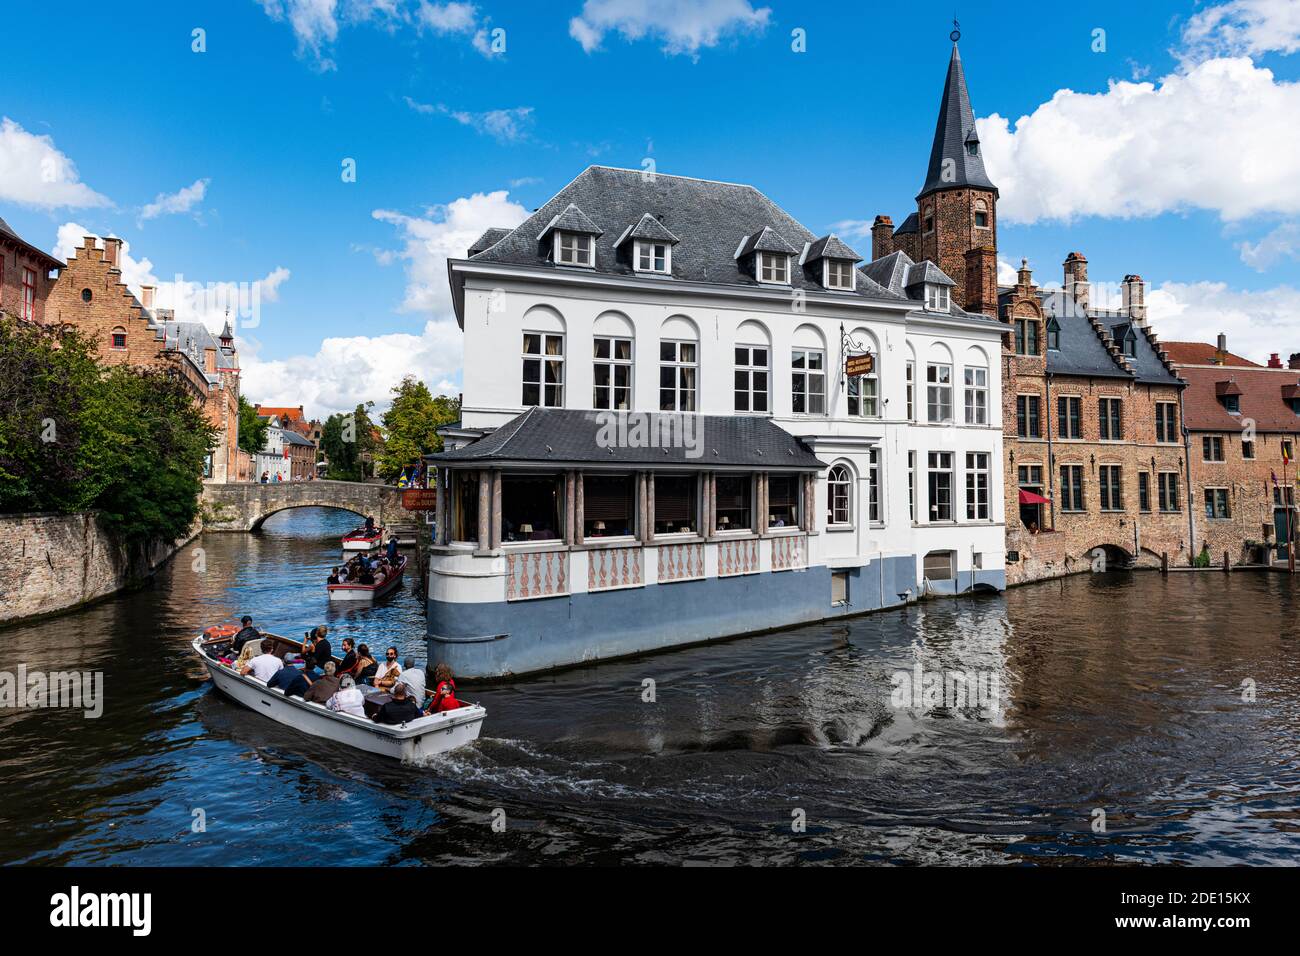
x=1030 y=498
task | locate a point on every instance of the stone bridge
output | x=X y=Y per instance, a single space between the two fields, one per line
x=243 y=506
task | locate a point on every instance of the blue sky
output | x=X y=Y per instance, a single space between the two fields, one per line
x=224 y=166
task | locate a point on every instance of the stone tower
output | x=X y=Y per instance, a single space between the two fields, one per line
x=957 y=206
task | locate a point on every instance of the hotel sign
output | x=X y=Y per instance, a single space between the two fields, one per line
x=856 y=365
x=420 y=499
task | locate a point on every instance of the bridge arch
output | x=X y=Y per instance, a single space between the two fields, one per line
x=244 y=506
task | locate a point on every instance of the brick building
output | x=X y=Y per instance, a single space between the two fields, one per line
x=25 y=276
x=89 y=295
x=1243 y=423
x=1095 y=455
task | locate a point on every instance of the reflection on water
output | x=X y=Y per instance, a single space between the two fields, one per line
x=1119 y=692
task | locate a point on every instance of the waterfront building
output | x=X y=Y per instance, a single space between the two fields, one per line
x=1243 y=424
x=1094 y=459
x=90 y=296
x=286 y=454
x=688 y=416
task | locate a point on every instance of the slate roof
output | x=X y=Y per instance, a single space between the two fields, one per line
x=709 y=218
x=766 y=239
x=830 y=247
x=1203 y=353
x=192 y=338
x=890 y=271
x=489 y=239
x=955 y=128
x=291 y=437
x=1261 y=399
x=648 y=227
x=926 y=273
x=572 y=219
x=909 y=226
x=564 y=435
x=1084 y=349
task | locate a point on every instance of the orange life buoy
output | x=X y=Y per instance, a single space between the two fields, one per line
x=222 y=630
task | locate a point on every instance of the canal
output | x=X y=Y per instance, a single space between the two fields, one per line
x=1121 y=695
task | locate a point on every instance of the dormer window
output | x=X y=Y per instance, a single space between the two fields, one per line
x=1131 y=346
x=1054 y=335
x=774 y=267
x=839 y=274
x=937 y=298
x=1232 y=404
x=574 y=249
x=653 y=257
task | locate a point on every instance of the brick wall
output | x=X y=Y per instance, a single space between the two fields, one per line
x=1250 y=493
x=14 y=259
x=955 y=232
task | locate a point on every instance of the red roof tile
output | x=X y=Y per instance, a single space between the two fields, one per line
x=284 y=413
x=1262 y=399
x=1202 y=353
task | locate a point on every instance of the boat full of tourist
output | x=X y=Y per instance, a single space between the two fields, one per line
x=366 y=584
x=353 y=715
x=365 y=538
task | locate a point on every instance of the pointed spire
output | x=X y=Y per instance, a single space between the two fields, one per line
x=227 y=335
x=956 y=159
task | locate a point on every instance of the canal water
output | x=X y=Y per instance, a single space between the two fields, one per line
x=1120 y=702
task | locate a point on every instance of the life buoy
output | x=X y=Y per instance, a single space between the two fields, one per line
x=221 y=630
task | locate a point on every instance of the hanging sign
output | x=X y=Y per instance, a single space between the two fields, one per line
x=855 y=365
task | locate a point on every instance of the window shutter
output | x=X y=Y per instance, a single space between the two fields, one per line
x=674 y=499
x=608 y=499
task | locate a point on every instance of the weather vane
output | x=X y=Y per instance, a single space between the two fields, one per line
x=956 y=31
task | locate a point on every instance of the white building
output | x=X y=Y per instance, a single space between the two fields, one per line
x=790 y=492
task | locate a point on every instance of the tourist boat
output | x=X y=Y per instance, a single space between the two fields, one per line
x=427 y=736
x=363 y=540
x=367 y=592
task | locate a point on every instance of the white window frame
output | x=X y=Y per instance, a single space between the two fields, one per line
x=645 y=250
x=875 y=514
x=940 y=390
x=856 y=391
x=571 y=257
x=937 y=298
x=677 y=365
x=977 y=486
x=831 y=281
x=749 y=369
x=808 y=374
x=977 y=394
x=613 y=363
x=839 y=504
x=542 y=357
x=939 y=463
x=773 y=268
x=911 y=391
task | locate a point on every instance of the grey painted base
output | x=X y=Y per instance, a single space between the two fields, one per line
x=519 y=637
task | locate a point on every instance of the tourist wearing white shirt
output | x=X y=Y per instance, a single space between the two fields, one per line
x=348 y=699
x=264 y=665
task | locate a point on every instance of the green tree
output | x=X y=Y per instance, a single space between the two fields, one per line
x=345 y=441
x=411 y=426
x=252 y=430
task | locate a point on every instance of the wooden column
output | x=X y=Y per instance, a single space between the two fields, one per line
x=642 y=510
x=484 y=510
x=495 y=535
x=440 y=507
x=570 y=503
x=650 y=506
x=577 y=508
x=709 y=505
x=761 y=501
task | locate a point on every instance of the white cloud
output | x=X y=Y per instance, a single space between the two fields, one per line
x=316 y=23
x=1249 y=27
x=33 y=172
x=443 y=232
x=1209 y=138
x=1257 y=323
x=506 y=126
x=205 y=302
x=183 y=200
x=346 y=371
x=1282 y=243
x=1007 y=273
x=852 y=229
x=683 y=26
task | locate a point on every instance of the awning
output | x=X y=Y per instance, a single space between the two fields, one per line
x=1030 y=498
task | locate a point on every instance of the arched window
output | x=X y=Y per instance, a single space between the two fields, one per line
x=839 y=497
x=119 y=338
x=981 y=214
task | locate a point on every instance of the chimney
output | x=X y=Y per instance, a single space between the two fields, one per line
x=1076 y=279
x=1221 y=350
x=981 y=289
x=112 y=248
x=146 y=296
x=88 y=243
x=1274 y=361
x=882 y=237
x=1134 y=299
x=1294 y=361
x=210 y=360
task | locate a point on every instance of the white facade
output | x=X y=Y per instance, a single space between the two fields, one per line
x=272 y=460
x=504 y=302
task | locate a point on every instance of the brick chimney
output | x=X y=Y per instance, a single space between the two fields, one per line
x=112 y=254
x=1294 y=361
x=982 y=281
x=1076 y=279
x=1134 y=299
x=882 y=237
x=1221 y=350
x=146 y=296
x=1274 y=361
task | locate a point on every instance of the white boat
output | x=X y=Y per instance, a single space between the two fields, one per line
x=408 y=742
x=363 y=540
x=367 y=592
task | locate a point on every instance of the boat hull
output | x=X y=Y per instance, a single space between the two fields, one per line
x=412 y=742
x=366 y=592
x=362 y=544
